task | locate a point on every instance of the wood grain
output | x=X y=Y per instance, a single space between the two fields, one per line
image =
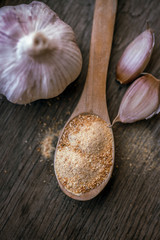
x=31 y=203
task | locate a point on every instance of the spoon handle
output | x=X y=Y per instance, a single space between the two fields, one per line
x=93 y=98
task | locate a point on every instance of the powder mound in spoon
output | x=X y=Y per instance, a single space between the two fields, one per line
x=84 y=155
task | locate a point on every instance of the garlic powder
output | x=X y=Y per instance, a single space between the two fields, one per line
x=84 y=156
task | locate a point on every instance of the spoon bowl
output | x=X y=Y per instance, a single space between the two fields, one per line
x=93 y=98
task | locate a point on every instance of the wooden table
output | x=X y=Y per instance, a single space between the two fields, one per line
x=32 y=205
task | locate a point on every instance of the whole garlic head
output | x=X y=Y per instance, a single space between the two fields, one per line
x=39 y=56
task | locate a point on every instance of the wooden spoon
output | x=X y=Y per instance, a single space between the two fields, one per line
x=93 y=99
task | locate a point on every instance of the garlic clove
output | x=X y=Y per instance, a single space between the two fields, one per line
x=141 y=100
x=135 y=57
x=39 y=56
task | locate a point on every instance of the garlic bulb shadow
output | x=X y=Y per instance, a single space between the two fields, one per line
x=39 y=56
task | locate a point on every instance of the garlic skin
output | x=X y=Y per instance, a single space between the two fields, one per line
x=39 y=56
x=141 y=100
x=135 y=57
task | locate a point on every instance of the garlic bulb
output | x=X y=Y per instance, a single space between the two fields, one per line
x=39 y=57
x=135 y=57
x=141 y=100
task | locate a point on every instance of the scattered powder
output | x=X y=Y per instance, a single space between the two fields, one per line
x=140 y=153
x=47 y=146
x=49 y=136
x=84 y=155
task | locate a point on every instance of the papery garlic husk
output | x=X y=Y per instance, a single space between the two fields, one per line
x=141 y=100
x=135 y=57
x=39 y=56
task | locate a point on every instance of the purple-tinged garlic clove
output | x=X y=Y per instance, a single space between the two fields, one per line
x=141 y=100
x=39 y=56
x=135 y=57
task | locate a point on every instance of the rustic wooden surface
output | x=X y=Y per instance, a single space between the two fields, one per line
x=32 y=207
